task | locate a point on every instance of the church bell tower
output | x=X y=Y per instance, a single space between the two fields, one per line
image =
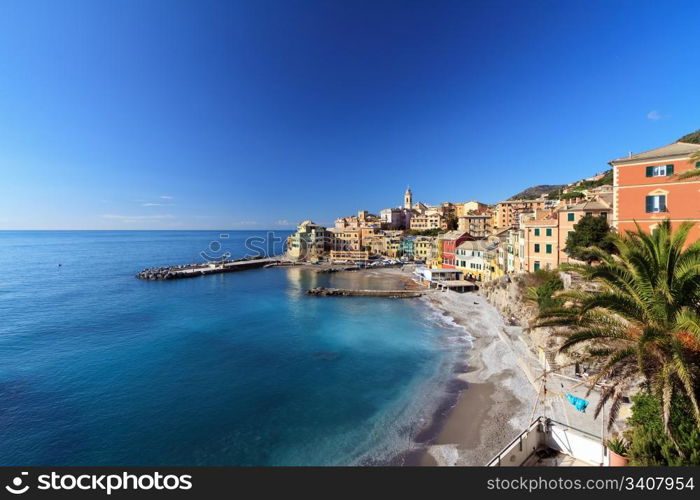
x=408 y=199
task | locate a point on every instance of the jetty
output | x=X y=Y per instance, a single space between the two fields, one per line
x=195 y=270
x=344 y=292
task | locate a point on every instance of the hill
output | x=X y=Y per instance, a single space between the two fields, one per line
x=536 y=191
x=554 y=190
x=693 y=137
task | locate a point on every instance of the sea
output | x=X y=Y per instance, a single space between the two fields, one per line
x=98 y=367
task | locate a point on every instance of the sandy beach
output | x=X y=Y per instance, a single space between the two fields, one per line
x=494 y=400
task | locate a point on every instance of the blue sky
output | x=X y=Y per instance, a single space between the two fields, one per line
x=259 y=114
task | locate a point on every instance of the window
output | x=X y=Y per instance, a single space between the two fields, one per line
x=548 y=248
x=537 y=248
x=656 y=204
x=537 y=231
x=549 y=231
x=570 y=217
x=537 y=265
x=660 y=171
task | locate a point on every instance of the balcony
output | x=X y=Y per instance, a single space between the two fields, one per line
x=548 y=443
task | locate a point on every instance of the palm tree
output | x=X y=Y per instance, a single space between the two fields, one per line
x=645 y=324
x=692 y=173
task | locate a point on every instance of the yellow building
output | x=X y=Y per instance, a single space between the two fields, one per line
x=430 y=220
x=345 y=255
x=435 y=260
x=477 y=225
x=393 y=243
x=506 y=214
x=424 y=247
x=541 y=244
x=346 y=239
x=375 y=244
x=308 y=242
x=469 y=207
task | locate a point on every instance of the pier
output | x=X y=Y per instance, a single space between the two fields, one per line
x=194 y=270
x=342 y=292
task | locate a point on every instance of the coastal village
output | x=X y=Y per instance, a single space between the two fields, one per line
x=525 y=256
x=478 y=242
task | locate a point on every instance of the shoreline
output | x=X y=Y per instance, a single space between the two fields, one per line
x=489 y=399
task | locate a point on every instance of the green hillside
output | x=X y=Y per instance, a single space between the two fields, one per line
x=693 y=137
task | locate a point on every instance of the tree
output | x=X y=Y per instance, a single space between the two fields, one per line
x=451 y=221
x=590 y=231
x=644 y=325
x=649 y=445
x=692 y=173
x=693 y=138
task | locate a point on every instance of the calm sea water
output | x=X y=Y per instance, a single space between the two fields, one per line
x=97 y=367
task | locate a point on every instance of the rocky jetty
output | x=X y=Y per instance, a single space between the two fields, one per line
x=195 y=270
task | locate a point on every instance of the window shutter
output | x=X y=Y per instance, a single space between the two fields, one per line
x=697 y=165
x=669 y=169
x=662 y=203
x=650 y=171
x=650 y=204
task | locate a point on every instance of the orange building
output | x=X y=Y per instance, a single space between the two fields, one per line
x=541 y=244
x=647 y=190
x=570 y=215
x=507 y=212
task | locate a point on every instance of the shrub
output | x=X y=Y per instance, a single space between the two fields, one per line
x=649 y=444
x=541 y=287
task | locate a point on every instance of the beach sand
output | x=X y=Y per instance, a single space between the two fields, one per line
x=495 y=398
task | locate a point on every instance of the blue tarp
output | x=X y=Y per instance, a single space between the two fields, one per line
x=579 y=404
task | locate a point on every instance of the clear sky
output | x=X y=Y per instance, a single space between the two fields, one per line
x=259 y=114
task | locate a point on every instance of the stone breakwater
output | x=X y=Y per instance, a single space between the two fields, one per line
x=195 y=270
x=340 y=292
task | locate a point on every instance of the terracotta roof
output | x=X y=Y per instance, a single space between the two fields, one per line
x=601 y=202
x=671 y=150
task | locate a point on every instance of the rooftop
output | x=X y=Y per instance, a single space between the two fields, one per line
x=474 y=245
x=672 y=150
x=600 y=202
x=541 y=222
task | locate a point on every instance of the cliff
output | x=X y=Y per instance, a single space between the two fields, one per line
x=507 y=294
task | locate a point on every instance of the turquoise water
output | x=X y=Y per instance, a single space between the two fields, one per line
x=97 y=367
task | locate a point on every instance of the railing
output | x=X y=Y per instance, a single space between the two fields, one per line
x=496 y=461
x=521 y=438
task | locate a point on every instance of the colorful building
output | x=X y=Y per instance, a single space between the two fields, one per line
x=450 y=241
x=308 y=242
x=507 y=212
x=469 y=207
x=348 y=255
x=570 y=215
x=424 y=247
x=407 y=248
x=427 y=221
x=541 y=244
x=346 y=239
x=478 y=225
x=647 y=189
x=471 y=259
